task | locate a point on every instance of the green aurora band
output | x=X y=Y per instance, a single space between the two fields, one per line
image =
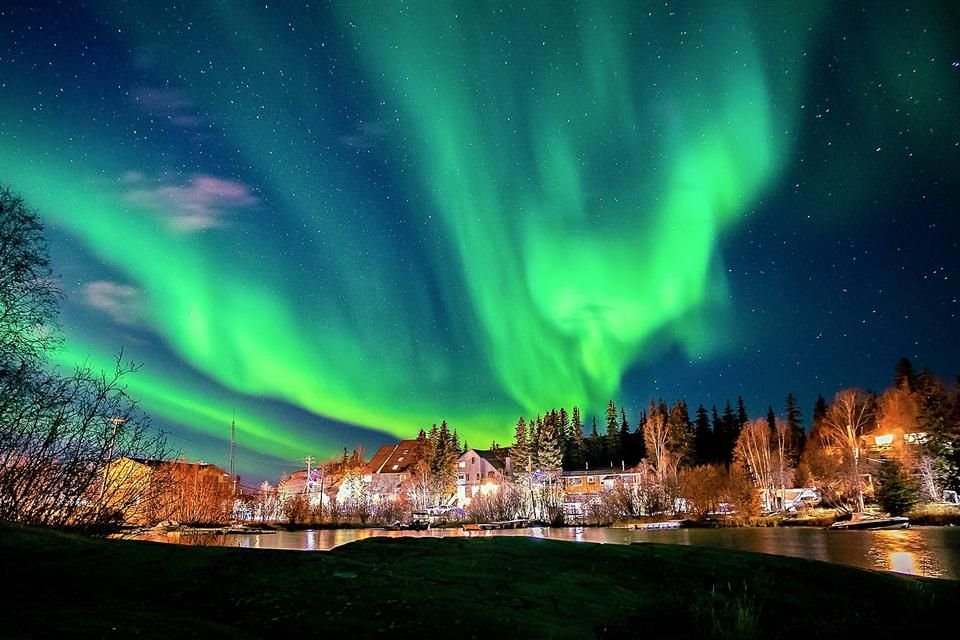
x=566 y=176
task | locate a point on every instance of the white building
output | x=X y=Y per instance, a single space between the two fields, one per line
x=482 y=471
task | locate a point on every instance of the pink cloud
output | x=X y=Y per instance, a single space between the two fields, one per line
x=200 y=204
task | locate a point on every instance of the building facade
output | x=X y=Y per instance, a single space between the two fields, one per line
x=481 y=472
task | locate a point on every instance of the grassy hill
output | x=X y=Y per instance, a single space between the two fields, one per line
x=57 y=584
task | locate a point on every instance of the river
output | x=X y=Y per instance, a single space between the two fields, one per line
x=922 y=551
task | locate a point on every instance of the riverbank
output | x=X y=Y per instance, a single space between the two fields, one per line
x=60 y=584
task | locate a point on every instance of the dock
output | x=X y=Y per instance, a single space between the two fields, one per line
x=667 y=524
x=520 y=523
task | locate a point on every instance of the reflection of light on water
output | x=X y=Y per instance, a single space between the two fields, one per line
x=903 y=551
x=903 y=562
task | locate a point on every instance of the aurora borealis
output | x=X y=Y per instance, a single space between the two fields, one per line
x=350 y=220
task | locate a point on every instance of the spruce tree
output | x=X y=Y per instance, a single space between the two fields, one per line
x=533 y=442
x=563 y=427
x=715 y=445
x=681 y=437
x=819 y=409
x=742 y=416
x=520 y=450
x=626 y=440
x=575 y=454
x=904 y=375
x=730 y=432
x=897 y=490
x=703 y=446
x=550 y=456
x=594 y=446
x=612 y=437
x=639 y=443
x=798 y=436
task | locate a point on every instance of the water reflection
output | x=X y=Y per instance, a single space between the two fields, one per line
x=904 y=551
x=923 y=551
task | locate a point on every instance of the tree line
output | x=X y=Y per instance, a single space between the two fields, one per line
x=920 y=413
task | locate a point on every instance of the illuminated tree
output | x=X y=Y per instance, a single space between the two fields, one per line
x=657 y=439
x=753 y=450
x=550 y=457
x=845 y=422
x=420 y=483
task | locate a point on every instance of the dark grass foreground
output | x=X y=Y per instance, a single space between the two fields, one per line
x=65 y=586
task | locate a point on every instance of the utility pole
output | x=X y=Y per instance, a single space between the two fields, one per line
x=306 y=485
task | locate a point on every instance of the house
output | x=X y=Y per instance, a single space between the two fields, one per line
x=790 y=499
x=891 y=442
x=590 y=482
x=390 y=467
x=147 y=491
x=482 y=471
x=318 y=487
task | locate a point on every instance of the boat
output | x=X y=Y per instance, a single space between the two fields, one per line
x=861 y=521
x=413 y=525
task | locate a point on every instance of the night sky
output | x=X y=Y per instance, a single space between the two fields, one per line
x=349 y=221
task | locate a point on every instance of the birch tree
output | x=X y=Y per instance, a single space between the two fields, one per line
x=846 y=421
x=753 y=450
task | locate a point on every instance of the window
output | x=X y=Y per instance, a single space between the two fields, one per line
x=884 y=441
x=405 y=451
x=400 y=459
x=463 y=463
x=574 y=482
x=395 y=467
x=478 y=476
x=914 y=438
x=591 y=480
x=473 y=459
x=462 y=477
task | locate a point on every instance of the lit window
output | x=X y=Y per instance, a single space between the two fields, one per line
x=463 y=463
x=591 y=480
x=915 y=438
x=884 y=441
x=400 y=459
x=405 y=451
x=574 y=482
x=395 y=467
